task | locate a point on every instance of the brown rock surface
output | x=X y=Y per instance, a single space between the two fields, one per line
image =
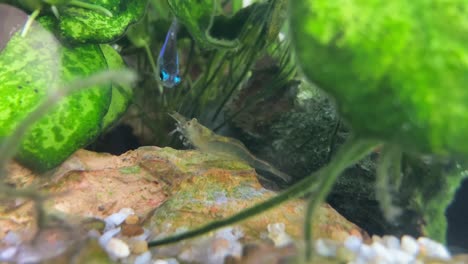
x=193 y=189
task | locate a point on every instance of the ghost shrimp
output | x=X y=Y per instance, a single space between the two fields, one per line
x=205 y=140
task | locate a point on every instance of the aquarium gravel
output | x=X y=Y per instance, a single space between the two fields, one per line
x=384 y=250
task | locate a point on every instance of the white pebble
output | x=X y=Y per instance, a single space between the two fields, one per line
x=409 y=245
x=376 y=238
x=325 y=247
x=116 y=219
x=366 y=252
x=230 y=233
x=399 y=256
x=277 y=233
x=106 y=237
x=28 y=254
x=384 y=250
x=127 y=211
x=391 y=242
x=276 y=228
x=144 y=258
x=220 y=248
x=12 y=238
x=117 y=248
x=166 y=261
x=353 y=243
x=434 y=249
x=8 y=253
x=382 y=253
x=93 y=233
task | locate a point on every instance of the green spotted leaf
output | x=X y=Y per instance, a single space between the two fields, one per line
x=29 y=67
x=397 y=69
x=197 y=17
x=83 y=25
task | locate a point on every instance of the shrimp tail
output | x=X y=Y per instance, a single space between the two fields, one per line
x=263 y=165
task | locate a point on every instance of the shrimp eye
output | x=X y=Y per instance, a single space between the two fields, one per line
x=163 y=75
x=177 y=79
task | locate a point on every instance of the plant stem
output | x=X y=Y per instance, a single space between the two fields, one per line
x=92 y=7
x=348 y=154
x=153 y=64
x=29 y=22
x=388 y=169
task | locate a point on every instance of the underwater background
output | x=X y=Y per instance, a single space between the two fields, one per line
x=361 y=105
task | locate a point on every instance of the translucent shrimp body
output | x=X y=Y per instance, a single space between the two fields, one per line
x=207 y=141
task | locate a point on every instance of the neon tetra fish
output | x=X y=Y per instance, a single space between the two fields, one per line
x=168 y=59
x=207 y=141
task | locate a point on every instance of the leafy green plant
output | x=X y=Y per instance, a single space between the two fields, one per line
x=35 y=101
x=33 y=66
x=397 y=75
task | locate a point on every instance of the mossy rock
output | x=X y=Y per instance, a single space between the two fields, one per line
x=397 y=69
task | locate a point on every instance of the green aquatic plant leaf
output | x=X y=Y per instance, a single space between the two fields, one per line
x=197 y=17
x=38 y=5
x=121 y=95
x=30 y=68
x=139 y=35
x=398 y=70
x=277 y=18
x=83 y=25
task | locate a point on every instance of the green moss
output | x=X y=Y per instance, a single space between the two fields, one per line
x=130 y=170
x=428 y=188
x=92 y=253
x=398 y=69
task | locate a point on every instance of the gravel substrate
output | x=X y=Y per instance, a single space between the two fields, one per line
x=126 y=241
x=386 y=249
